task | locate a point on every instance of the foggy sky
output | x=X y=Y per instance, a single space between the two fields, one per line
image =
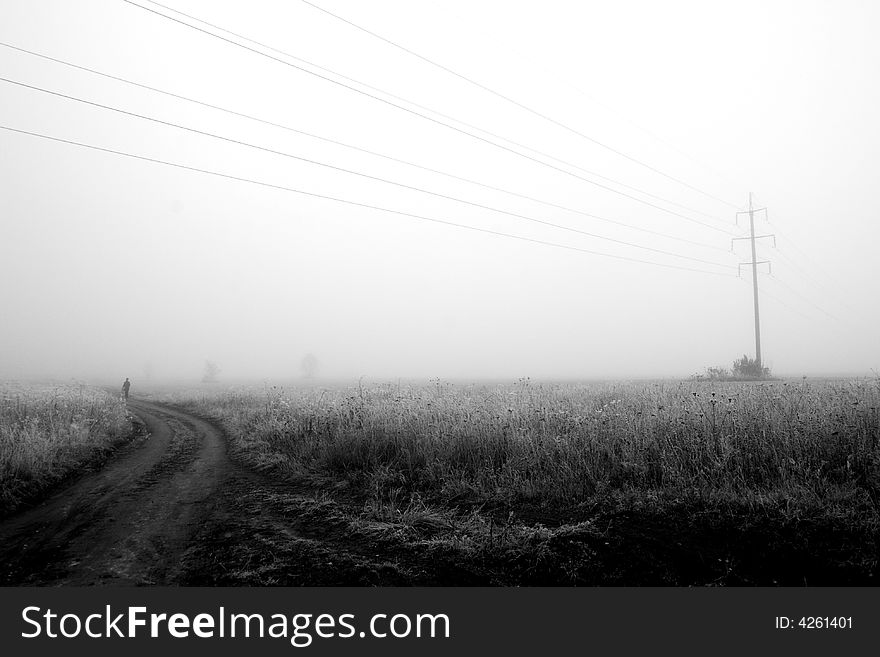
x=109 y=264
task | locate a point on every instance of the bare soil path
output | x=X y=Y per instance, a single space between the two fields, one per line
x=128 y=523
x=172 y=508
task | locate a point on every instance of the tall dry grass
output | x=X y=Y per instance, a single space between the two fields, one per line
x=814 y=443
x=48 y=432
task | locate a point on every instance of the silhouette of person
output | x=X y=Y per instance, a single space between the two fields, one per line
x=125 y=387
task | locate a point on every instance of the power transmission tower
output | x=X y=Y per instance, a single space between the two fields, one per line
x=754 y=263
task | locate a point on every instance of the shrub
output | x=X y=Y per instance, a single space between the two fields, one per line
x=750 y=368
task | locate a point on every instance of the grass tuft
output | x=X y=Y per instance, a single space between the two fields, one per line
x=49 y=432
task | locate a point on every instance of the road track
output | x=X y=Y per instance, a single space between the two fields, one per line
x=129 y=523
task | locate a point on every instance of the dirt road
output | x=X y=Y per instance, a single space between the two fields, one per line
x=128 y=523
x=171 y=507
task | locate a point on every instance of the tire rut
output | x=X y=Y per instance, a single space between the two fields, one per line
x=129 y=523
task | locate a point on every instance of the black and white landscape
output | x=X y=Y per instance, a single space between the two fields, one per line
x=439 y=293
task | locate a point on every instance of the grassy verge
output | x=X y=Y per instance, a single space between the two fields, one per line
x=48 y=433
x=664 y=482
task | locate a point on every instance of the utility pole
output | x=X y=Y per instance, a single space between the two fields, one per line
x=755 y=283
x=754 y=263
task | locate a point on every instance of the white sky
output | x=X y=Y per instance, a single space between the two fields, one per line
x=108 y=263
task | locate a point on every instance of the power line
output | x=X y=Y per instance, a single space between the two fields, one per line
x=840 y=323
x=618 y=114
x=364 y=150
x=815 y=263
x=356 y=203
x=422 y=107
x=782 y=283
x=802 y=271
x=411 y=111
x=803 y=298
x=358 y=173
x=831 y=283
x=807 y=274
x=516 y=103
x=767 y=293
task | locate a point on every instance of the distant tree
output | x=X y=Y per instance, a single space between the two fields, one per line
x=309 y=366
x=211 y=372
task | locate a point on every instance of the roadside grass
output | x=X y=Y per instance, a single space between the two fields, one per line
x=50 y=432
x=563 y=445
x=562 y=478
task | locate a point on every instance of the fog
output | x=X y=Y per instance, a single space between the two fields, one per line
x=112 y=266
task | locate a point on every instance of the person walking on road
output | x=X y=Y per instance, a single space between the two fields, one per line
x=125 y=386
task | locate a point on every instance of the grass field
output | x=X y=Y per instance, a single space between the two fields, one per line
x=50 y=432
x=564 y=444
x=676 y=483
x=754 y=482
